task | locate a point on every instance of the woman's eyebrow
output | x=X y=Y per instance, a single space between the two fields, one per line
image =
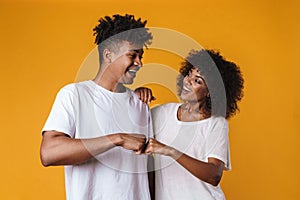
x=197 y=76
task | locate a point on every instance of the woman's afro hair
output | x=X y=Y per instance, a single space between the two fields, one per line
x=230 y=73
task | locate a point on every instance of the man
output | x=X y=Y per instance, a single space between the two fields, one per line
x=98 y=128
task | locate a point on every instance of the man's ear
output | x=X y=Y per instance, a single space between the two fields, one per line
x=107 y=55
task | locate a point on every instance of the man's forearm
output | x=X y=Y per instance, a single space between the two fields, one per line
x=58 y=149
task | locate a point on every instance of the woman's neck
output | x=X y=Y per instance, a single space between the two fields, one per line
x=191 y=112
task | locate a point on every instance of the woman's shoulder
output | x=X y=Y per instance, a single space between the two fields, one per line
x=218 y=121
x=167 y=107
x=164 y=114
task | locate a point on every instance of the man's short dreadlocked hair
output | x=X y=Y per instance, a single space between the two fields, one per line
x=231 y=76
x=116 y=29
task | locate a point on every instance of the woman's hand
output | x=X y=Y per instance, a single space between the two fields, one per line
x=144 y=94
x=155 y=146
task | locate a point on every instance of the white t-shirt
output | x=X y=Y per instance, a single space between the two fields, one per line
x=86 y=110
x=200 y=140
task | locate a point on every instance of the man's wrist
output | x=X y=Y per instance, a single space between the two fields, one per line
x=116 y=139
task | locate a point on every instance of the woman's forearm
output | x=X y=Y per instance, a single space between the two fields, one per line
x=210 y=172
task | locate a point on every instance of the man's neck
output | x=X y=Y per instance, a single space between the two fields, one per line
x=113 y=86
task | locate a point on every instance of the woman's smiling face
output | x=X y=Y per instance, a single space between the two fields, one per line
x=194 y=88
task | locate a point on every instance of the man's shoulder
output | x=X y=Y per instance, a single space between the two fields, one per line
x=71 y=89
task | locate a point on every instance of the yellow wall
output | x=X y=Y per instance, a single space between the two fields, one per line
x=43 y=43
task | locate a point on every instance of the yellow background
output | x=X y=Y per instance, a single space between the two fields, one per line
x=43 y=43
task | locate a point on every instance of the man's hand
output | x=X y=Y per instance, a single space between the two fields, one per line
x=134 y=142
x=144 y=94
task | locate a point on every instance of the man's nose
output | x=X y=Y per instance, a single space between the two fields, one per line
x=138 y=62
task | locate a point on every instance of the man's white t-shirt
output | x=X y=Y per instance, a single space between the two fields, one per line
x=200 y=140
x=86 y=110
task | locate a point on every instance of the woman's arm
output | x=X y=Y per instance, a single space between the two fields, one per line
x=210 y=172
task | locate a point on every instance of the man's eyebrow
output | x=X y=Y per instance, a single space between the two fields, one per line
x=137 y=50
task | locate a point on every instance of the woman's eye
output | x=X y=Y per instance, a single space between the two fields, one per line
x=198 y=81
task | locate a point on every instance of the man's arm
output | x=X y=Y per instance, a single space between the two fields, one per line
x=144 y=94
x=59 y=149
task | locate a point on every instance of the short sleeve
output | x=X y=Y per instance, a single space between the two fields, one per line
x=155 y=120
x=216 y=143
x=62 y=115
x=160 y=116
x=150 y=124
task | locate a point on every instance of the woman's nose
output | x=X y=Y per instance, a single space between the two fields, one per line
x=187 y=80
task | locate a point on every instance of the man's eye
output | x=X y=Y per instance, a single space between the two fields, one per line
x=132 y=55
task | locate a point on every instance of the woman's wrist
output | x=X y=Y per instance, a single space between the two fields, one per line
x=175 y=154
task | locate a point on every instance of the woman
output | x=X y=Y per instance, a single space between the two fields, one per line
x=191 y=146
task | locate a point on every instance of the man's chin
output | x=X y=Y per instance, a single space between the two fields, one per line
x=128 y=82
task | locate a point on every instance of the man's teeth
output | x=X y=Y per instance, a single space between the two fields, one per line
x=132 y=71
x=185 y=88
